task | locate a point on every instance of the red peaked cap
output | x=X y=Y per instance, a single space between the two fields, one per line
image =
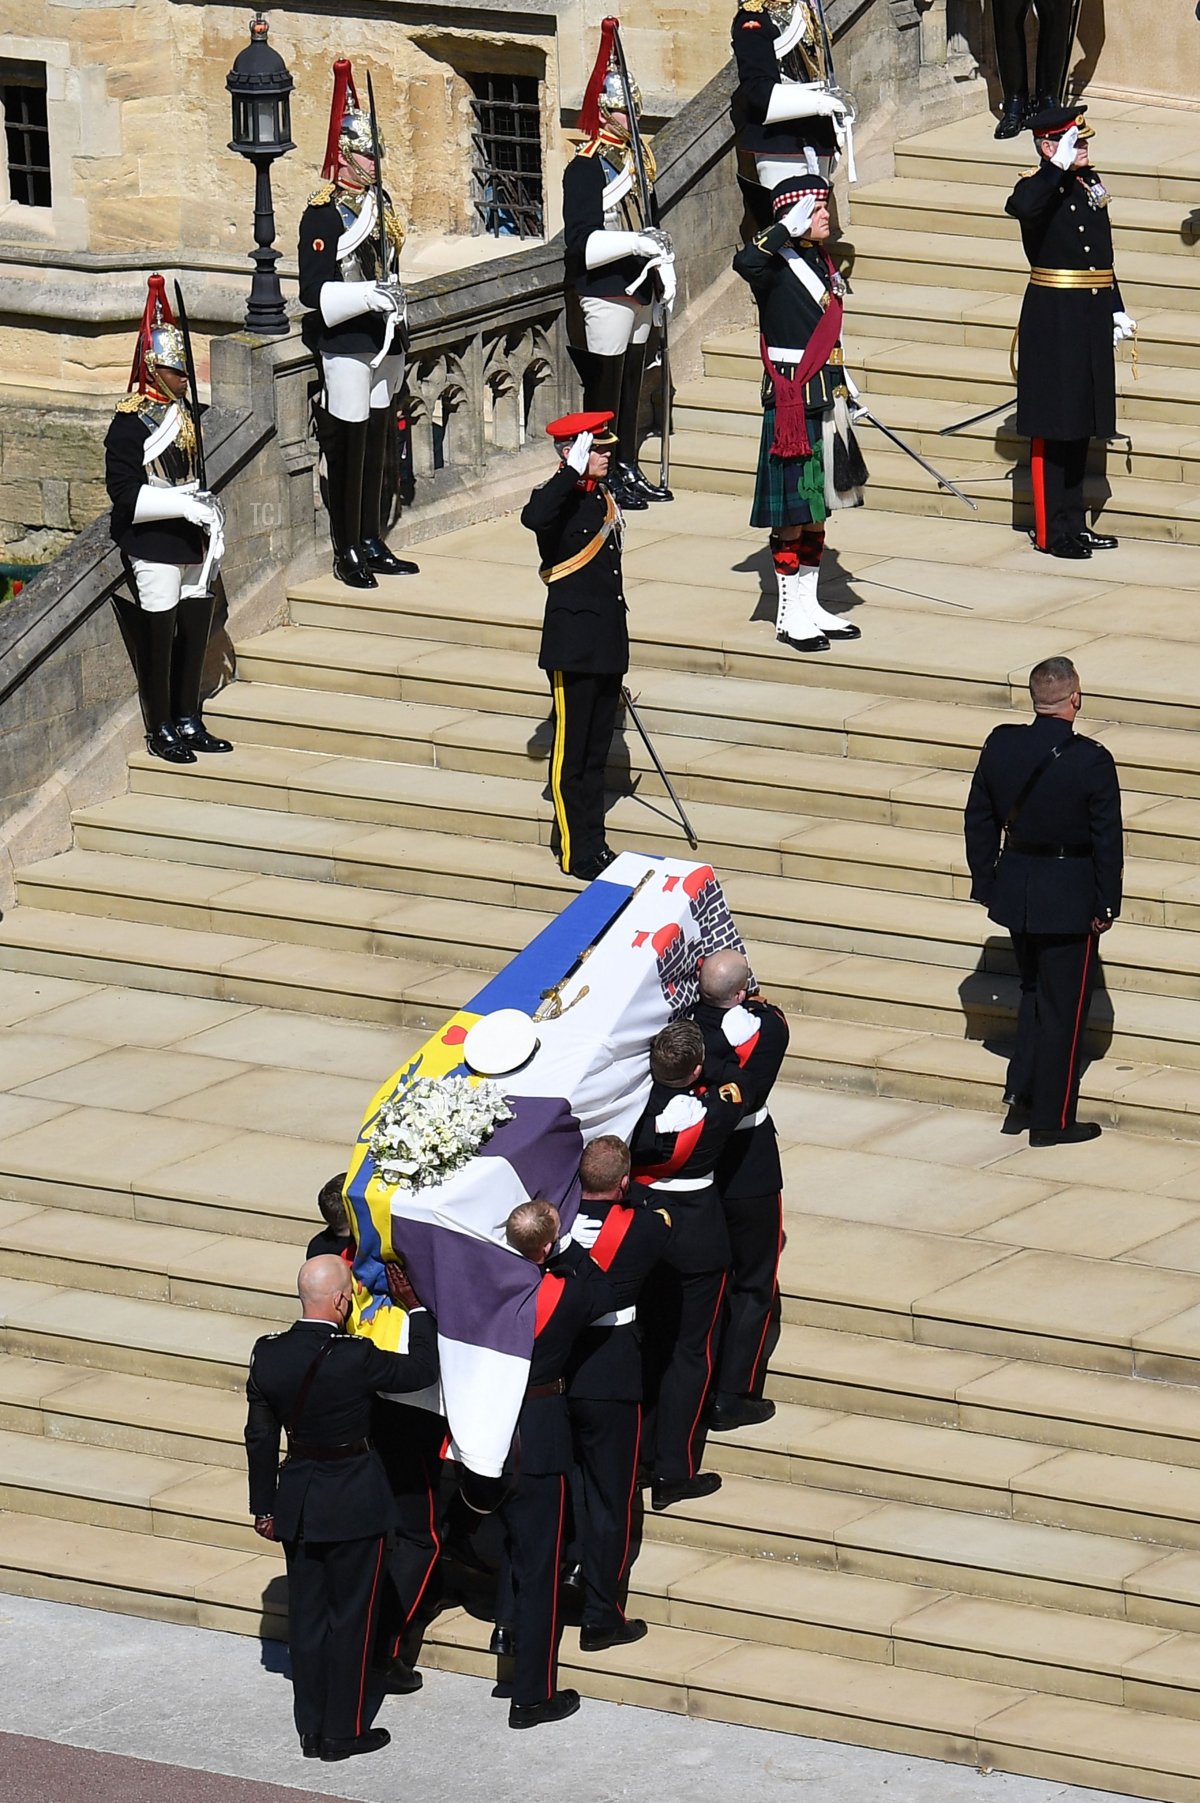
x=572 y=424
x=589 y=112
x=343 y=84
x=157 y=312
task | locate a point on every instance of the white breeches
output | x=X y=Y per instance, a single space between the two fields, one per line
x=775 y=169
x=353 y=388
x=612 y=322
x=159 y=584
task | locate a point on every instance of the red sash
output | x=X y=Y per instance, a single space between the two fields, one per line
x=611 y=1236
x=791 y=426
x=549 y=1296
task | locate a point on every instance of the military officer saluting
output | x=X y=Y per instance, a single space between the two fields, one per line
x=788 y=119
x=585 y=641
x=621 y=265
x=330 y=1502
x=1072 y=319
x=356 y=328
x=1045 y=848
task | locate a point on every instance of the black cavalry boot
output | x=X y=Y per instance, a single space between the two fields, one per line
x=628 y=468
x=346 y=445
x=154 y=682
x=383 y=561
x=1013 y=115
x=192 y=632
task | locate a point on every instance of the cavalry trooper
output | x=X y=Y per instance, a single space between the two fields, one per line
x=1056 y=29
x=808 y=460
x=1072 y=319
x=1046 y=852
x=357 y=329
x=170 y=536
x=621 y=265
x=585 y=640
x=788 y=118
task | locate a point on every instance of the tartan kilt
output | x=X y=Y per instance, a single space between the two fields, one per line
x=790 y=491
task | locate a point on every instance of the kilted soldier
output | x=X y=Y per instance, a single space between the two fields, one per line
x=356 y=328
x=170 y=537
x=1055 y=22
x=585 y=641
x=787 y=118
x=808 y=462
x=622 y=266
x=1072 y=319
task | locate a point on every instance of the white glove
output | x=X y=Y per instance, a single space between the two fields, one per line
x=738 y=1025
x=382 y=297
x=610 y=247
x=832 y=106
x=669 y=285
x=802 y=100
x=1123 y=327
x=341 y=301
x=585 y=1229
x=681 y=1112
x=172 y=504
x=797 y=219
x=199 y=511
x=577 y=457
x=1064 y=156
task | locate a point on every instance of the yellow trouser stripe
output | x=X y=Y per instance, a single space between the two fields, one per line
x=556 y=764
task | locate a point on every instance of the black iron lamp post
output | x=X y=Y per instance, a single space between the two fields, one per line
x=260 y=85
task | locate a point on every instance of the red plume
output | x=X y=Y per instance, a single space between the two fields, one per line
x=157 y=312
x=343 y=84
x=589 y=112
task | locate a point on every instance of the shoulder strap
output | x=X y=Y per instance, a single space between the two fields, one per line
x=1033 y=779
x=556 y=572
x=293 y=1420
x=611 y=1236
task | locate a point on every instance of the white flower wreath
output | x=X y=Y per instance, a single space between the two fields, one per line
x=433 y=1128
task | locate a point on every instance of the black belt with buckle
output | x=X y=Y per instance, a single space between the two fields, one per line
x=349 y=1449
x=1028 y=848
x=557 y=1388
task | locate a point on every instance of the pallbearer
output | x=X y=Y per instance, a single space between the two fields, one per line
x=622 y=265
x=349 y=251
x=585 y=641
x=170 y=536
x=809 y=461
x=1072 y=319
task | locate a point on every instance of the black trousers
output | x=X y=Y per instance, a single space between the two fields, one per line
x=534 y=1518
x=585 y=711
x=756 y=1235
x=681 y=1311
x=1058 y=971
x=409 y=1442
x=1057 y=467
x=334 y=1589
x=1053 y=47
x=606 y=1437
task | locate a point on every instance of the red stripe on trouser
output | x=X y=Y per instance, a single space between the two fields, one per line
x=368 y=1636
x=708 y=1363
x=1037 y=472
x=562 y=1504
x=633 y=1486
x=774 y=1287
x=1083 y=982
x=429 y=1570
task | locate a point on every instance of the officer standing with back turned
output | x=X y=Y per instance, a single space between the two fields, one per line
x=1045 y=847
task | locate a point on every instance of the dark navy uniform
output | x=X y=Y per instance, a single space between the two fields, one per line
x=767 y=150
x=1058 y=869
x=572 y=1293
x=604 y=1398
x=584 y=651
x=1066 y=369
x=681 y=1306
x=750 y=1184
x=330 y=1499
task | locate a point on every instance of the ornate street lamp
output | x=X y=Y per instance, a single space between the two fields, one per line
x=260 y=84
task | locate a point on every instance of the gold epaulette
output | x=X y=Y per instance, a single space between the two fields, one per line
x=589 y=149
x=754 y=6
x=133 y=403
x=321 y=197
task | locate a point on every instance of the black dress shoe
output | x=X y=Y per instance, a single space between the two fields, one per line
x=688 y=1489
x=606 y=857
x=633 y=476
x=383 y=561
x=532 y=1715
x=818 y=643
x=627 y=495
x=166 y=743
x=596 y=1638
x=847 y=630
x=1074 y=1135
x=586 y=870
x=310 y=1746
x=373 y=1741
x=1020 y=1104
x=570 y=1592
x=1097 y=541
x=402 y=1680
x=743 y=1411
x=1013 y=116
x=193 y=732
x=351 y=567
x=1066 y=547
x=503 y=1642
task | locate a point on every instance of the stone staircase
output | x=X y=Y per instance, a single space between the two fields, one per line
x=971 y=1529
x=937 y=274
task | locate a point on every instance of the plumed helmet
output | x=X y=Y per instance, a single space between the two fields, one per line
x=611 y=98
x=165 y=349
x=354 y=138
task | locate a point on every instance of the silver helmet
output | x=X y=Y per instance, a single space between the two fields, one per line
x=356 y=142
x=612 y=95
x=166 y=349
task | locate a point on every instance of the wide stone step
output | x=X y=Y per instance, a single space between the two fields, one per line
x=189 y=1422
x=126 y=1334
x=922 y=203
